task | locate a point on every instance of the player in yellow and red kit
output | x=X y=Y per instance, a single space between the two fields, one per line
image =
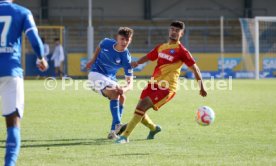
x=170 y=57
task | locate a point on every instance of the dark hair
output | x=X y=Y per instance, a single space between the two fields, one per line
x=43 y=40
x=56 y=39
x=125 y=31
x=178 y=24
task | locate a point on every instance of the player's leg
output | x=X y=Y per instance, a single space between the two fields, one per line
x=143 y=105
x=163 y=99
x=154 y=129
x=146 y=101
x=113 y=95
x=12 y=93
x=107 y=87
x=146 y=121
x=121 y=127
x=150 y=97
x=56 y=71
x=61 y=70
x=122 y=100
x=13 y=140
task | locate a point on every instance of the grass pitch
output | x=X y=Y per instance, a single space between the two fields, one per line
x=70 y=128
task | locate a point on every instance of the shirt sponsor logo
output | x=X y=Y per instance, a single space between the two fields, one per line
x=165 y=56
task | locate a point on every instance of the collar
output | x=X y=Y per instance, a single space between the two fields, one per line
x=114 y=45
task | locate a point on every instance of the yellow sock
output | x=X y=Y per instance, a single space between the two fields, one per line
x=148 y=122
x=132 y=124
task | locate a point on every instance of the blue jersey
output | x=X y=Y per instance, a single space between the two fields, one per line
x=14 y=20
x=109 y=60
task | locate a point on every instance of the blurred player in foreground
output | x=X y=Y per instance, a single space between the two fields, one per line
x=170 y=57
x=14 y=20
x=109 y=57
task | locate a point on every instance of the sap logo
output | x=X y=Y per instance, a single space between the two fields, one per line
x=165 y=56
x=269 y=64
x=229 y=63
x=265 y=74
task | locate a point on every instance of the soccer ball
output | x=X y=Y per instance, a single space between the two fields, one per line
x=205 y=115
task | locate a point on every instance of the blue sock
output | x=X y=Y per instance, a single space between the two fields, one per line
x=115 y=111
x=121 y=108
x=12 y=146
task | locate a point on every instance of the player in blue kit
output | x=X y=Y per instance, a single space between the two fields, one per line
x=109 y=57
x=14 y=20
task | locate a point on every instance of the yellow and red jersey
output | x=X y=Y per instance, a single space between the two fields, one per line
x=170 y=58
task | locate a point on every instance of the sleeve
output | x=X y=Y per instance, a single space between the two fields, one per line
x=29 y=23
x=103 y=43
x=31 y=32
x=187 y=57
x=36 y=43
x=127 y=67
x=153 y=54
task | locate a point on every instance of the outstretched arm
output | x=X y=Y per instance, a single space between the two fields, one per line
x=93 y=59
x=140 y=61
x=198 y=77
x=151 y=56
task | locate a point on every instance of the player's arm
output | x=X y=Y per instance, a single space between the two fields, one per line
x=140 y=61
x=36 y=42
x=195 y=69
x=93 y=59
x=37 y=45
x=151 y=56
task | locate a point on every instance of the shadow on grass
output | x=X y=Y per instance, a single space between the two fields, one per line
x=62 y=142
x=132 y=154
x=66 y=142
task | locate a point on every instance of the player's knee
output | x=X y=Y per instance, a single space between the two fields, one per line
x=113 y=95
x=144 y=104
x=122 y=98
x=13 y=120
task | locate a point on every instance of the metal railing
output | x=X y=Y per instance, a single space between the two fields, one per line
x=196 y=38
